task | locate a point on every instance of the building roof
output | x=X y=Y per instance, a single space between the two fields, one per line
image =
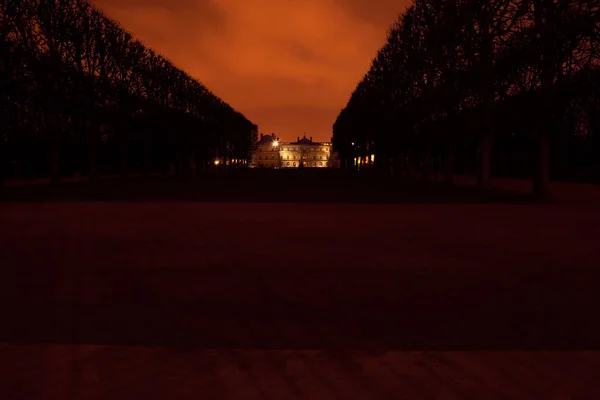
x=304 y=140
x=265 y=139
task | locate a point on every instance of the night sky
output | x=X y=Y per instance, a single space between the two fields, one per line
x=288 y=65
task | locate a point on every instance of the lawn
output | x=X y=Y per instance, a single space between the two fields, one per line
x=387 y=275
x=236 y=298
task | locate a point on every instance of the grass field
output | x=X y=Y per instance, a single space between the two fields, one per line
x=279 y=186
x=285 y=300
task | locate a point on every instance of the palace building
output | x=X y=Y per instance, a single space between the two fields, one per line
x=271 y=153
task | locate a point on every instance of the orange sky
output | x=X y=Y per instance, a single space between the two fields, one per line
x=288 y=65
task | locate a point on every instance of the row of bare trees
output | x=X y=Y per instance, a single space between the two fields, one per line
x=481 y=83
x=79 y=94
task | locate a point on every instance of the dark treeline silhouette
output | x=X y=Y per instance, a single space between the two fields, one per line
x=509 y=87
x=80 y=95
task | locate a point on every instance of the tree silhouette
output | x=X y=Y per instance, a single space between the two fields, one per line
x=84 y=93
x=457 y=76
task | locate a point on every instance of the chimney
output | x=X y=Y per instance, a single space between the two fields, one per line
x=311 y=139
x=298 y=138
x=261 y=136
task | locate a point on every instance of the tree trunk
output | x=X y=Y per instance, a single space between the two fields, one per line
x=147 y=157
x=488 y=95
x=541 y=179
x=123 y=152
x=485 y=152
x=3 y=163
x=54 y=162
x=192 y=165
x=92 y=145
x=410 y=168
x=449 y=163
x=426 y=170
x=53 y=124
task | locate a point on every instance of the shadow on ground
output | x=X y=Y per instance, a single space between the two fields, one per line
x=273 y=186
x=181 y=309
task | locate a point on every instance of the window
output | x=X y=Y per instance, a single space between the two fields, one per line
x=288 y=164
x=314 y=164
x=320 y=164
x=294 y=164
x=272 y=157
x=320 y=157
x=288 y=157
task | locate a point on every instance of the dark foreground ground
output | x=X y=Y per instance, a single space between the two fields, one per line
x=272 y=186
x=262 y=300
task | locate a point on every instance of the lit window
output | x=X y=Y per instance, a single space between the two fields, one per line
x=294 y=157
x=314 y=164
x=294 y=164
x=288 y=164
x=320 y=164
x=288 y=157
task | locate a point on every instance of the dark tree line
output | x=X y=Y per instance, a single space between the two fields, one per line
x=509 y=86
x=80 y=94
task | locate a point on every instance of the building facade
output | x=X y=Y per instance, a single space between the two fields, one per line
x=303 y=153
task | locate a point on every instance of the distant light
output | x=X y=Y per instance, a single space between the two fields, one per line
x=276 y=143
x=217 y=162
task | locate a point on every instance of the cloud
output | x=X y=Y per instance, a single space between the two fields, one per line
x=377 y=13
x=288 y=65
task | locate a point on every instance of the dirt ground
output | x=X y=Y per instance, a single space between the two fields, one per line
x=259 y=300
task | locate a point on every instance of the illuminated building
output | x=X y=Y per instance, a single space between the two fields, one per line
x=272 y=153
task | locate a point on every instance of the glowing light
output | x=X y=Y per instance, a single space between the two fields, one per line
x=372 y=157
x=275 y=143
x=217 y=162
